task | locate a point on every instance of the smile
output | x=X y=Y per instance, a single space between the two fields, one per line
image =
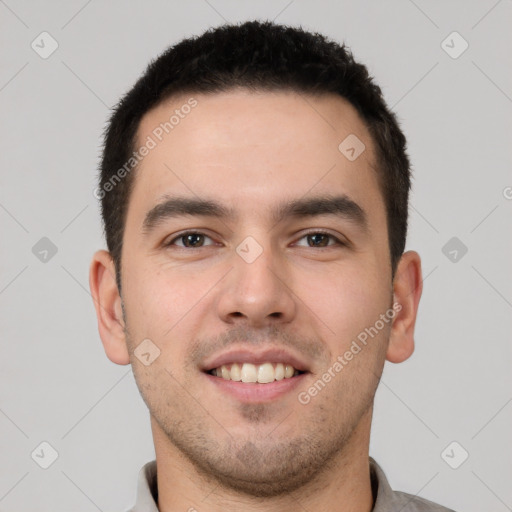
x=250 y=373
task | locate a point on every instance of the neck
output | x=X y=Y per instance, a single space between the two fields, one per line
x=344 y=484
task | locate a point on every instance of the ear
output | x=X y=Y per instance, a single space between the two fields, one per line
x=407 y=288
x=107 y=302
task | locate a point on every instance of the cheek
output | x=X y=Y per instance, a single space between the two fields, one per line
x=166 y=306
x=344 y=300
x=153 y=300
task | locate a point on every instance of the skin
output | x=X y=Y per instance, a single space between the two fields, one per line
x=214 y=452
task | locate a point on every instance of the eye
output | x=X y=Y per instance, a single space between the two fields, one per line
x=189 y=240
x=320 y=239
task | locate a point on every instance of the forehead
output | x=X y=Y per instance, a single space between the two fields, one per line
x=250 y=149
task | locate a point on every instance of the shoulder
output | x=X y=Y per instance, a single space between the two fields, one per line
x=387 y=500
x=410 y=503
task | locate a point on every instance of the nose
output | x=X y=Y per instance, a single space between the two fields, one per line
x=257 y=292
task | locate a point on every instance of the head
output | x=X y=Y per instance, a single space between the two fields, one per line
x=238 y=221
x=257 y=57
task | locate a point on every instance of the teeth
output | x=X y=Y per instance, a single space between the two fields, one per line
x=288 y=371
x=248 y=372
x=266 y=373
x=236 y=373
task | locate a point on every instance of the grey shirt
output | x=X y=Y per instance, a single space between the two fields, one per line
x=386 y=500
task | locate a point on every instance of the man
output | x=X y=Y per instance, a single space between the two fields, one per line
x=254 y=192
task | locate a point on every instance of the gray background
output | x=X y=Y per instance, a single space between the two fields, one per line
x=57 y=384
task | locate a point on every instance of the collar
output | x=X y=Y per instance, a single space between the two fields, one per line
x=385 y=499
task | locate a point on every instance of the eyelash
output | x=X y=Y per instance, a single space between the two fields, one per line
x=338 y=242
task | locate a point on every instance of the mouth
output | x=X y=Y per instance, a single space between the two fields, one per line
x=247 y=373
x=251 y=376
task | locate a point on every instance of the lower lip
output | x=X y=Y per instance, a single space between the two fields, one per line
x=253 y=392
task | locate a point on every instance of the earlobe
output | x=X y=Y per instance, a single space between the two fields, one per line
x=107 y=303
x=407 y=288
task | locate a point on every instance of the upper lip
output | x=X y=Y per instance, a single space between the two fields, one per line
x=269 y=355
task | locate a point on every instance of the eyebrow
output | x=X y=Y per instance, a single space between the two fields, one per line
x=339 y=206
x=180 y=206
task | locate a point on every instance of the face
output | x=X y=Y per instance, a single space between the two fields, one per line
x=253 y=243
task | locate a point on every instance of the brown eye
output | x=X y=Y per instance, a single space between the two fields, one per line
x=320 y=239
x=193 y=240
x=190 y=240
